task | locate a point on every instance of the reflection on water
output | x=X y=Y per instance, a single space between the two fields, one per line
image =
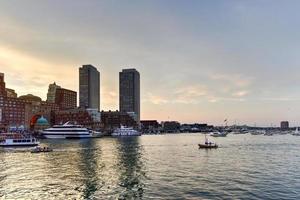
x=130 y=166
x=155 y=167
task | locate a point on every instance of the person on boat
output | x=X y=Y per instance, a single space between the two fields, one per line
x=206 y=141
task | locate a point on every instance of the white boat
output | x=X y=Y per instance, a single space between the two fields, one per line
x=125 y=131
x=17 y=140
x=67 y=131
x=219 y=134
x=296 y=133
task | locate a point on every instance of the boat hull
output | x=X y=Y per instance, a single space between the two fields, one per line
x=19 y=145
x=61 y=136
x=207 y=146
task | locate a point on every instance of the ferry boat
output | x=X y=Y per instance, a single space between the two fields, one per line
x=125 y=131
x=67 y=131
x=17 y=140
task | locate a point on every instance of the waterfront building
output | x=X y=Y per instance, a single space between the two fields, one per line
x=171 y=126
x=11 y=93
x=12 y=111
x=18 y=112
x=65 y=99
x=115 y=119
x=78 y=116
x=129 y=92
x=284 y=125
x=150 y=126
x=41 y=124
x=2 y=85
x=89 y=87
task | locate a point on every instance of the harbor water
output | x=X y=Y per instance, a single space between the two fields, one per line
x=155 y=167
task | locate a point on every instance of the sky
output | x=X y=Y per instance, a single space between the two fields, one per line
x=199 y=61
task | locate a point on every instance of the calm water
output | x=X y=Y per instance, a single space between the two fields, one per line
x=156 y=167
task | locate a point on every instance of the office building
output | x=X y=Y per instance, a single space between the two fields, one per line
x=89 y=87
x=52 y=92
x=65 y=99
x=129 y=92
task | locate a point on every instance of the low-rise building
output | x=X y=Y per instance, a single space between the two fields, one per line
x=78 y=116
x=284 y=125
x=171 y=126
x=150 y=126
x=116 y=119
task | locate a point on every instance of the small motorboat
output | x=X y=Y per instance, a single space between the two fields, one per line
x=39 y=149
x=207 y=144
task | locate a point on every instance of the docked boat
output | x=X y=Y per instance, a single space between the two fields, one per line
x=125 y=131
x=17 y=140
x=296 y=133
x=219 y=134
x=67 y=131
x=258 y=132
x=268 y=133
x=39 y=149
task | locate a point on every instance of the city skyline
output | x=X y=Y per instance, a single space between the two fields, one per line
x=201 y=62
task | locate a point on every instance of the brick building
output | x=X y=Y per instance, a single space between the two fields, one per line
x=114 y=119
x=65 y=99
x=78 y=116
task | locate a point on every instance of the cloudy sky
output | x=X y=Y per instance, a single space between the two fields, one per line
x=200 y=61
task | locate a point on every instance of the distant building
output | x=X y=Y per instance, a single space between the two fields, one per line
x=52 y=92
x=284 y=125
x=11 y=93
x=89 y=87
x=171 y=126
x=2 y=85
x=129 y=92
x=150 y=126
x=65 y=99
x=114 y=119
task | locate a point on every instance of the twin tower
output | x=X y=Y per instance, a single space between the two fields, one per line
x=129 y=90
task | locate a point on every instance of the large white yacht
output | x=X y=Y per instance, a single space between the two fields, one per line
x=67 y=131
x=17 y=140
x=125 y=131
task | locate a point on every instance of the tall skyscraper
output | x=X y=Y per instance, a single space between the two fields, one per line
x=129 y=89
x=89 y=87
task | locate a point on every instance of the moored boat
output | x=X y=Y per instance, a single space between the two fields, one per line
x=17 y=140
x=125 y=131
x=219 y=134
x=296 y=133
x=67 y=131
